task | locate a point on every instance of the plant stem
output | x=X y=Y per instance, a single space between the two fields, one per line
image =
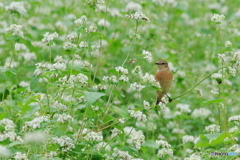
x=197 y=84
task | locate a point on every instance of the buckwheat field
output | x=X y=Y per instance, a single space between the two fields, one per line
x=77 y=80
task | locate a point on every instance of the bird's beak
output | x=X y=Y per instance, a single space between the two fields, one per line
x=157 y=63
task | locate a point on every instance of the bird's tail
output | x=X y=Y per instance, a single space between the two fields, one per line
x=160 y=95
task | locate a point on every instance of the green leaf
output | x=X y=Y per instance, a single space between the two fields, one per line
x=151 y=144
x=91 y=97
x=31 y=112
x=211 y=139
x=2 y=69
x=123 y=112
x=213 y=101
x=34 y=82
x=112 y=71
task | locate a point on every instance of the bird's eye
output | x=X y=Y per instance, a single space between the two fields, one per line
x=162 y=63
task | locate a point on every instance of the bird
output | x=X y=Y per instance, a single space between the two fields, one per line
x=165 y=77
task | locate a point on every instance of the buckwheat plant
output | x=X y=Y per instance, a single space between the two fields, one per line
x=77 y=79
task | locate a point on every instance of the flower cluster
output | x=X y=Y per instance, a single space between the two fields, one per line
x=69 y=46
x=187 y=139
x=66 y=143
x=35 y=123
x=162 y=143
x=201 y=112
x=135 y=138
x=138 y=115
x=147 y=56
x=121 y=70
x=81 y=21
x=184 y=108
x=63 y=117
x=217 y=18
x=218 y=77
x=213 y=128
x=75 y=79
x=59 y=106
x=48 y=38
x=9 y=125
x=16 y=30
x=136 y=87
x=92 y=136
x=138 y=16
x=16 y=7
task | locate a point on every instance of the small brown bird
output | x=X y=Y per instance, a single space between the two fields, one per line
x=164 y=76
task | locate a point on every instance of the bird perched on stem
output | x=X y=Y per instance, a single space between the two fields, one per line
x=164 y=77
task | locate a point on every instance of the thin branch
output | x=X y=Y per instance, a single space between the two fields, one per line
x=197 y=84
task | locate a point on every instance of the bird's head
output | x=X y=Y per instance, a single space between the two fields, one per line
x=162 y=65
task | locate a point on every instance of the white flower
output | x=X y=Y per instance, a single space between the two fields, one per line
x=121 y=70
x=93 y=136
x=212 y=128
x=20 y=156
x=103 y=23
x=35 y=123
x=4 y=152
x=184 y=108
x=95 y=108
x=193 y=157
x=164 y=151
x=136 y=87
x=178 y=130
x=217 y=18
x=146 y=104
x=138 y=115
x=99 y=87
x=123 y=155
x=35 y=137
x=234 y=118
x=71 y=37
x=81 y=21
x=86 y=64
x=163 y=143
x=138 y=16
x=16 y=30
x=59 y=106
x=222 y=57
x=123 y=78
x=147 y=56
x=59 y=66
x=137 y=70
x=83 y=44
x=48 y=38
x=102 y=145
x=135 y=138
x=187 y=139
x=16 y=6
x=122 y=120
x=24 y=84
x=20 y=46
x=133 y=7
x=63 y=117
x=232 y=71
x=64 y=142
x=79 y=78
x=201 y=112
x=91 y=29
x=218 y=77
x=69 y=46
x=228 y=44
x=115 y=132
x=234 y=129
x=9 y=125
x=113 y=79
